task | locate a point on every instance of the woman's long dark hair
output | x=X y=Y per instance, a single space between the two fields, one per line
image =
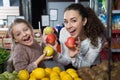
x=94 y=28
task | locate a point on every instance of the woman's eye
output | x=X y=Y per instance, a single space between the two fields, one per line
x=65 y=22
x=73 y=21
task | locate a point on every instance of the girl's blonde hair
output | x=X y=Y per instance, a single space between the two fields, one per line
x=10 y=66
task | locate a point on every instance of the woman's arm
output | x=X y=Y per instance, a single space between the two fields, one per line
x=88 y=56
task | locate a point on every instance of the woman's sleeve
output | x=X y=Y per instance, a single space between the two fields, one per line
x=21 y=61
x=89 y=58
x=63 y=57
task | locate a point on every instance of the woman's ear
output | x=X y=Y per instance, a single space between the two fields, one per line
x=84 y=21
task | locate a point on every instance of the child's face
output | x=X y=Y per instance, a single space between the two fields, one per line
x=23 y=34
x=74 y=22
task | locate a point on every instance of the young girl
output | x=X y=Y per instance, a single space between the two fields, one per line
x=26 y=53
x=82 y=24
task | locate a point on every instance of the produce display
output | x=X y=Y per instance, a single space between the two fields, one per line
x=4 y=54
x=100 y=71
x=54 y=73
x=9 y=76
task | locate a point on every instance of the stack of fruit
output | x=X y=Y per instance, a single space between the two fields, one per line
x=9 y=76
x=54 y=73
x=51 y=37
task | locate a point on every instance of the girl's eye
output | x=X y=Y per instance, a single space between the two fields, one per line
x=25 y=29
x=17 y=34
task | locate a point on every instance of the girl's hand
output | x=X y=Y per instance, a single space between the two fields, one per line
x=45 y=57
x=76 y=50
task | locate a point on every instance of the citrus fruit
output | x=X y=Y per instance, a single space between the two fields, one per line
x=57 y=69
x=77 y=78
x=53 y=74
x=45 y=78
x=23 y=75
x=70 y=70
x=62 y=73
x=49 y=50
x=74 y=75
x=67 y=77
x=48 y=71
x=32 y=78
x=55 y=78
x=39 y=73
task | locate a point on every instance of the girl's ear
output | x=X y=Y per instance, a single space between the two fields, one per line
x=84 y=21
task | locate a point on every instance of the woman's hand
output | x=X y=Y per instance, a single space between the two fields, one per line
x=76 y=50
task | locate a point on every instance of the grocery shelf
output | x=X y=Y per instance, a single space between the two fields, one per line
x=115 y=50
x=116 y=31
x=116 y=11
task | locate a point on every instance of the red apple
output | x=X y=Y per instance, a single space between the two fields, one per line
x=51 y=38
x=71 y=42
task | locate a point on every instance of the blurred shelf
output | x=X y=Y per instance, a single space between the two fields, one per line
x=116 y=31
x=116 y=11
x=3 y=29
x=115 y=50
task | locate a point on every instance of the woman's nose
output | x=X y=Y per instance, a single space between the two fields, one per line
x=69 y=25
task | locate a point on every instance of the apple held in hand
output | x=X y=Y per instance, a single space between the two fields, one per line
x=48 y=30
x=71 y=42
x=49 y=50
x=51 y=38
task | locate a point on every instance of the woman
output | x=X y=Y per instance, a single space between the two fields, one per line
x=82 y=24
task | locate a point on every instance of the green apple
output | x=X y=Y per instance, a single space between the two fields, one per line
x=48 y=30
x=49 y=50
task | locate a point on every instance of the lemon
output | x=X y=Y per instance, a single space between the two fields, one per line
x=23 y=75
x=70 y=70
x=53 y=74
x=39 y=73
x=57 y=69
x=45 y=78
x=77 y=78
x=67 y=77
x=62 y=73
x=74 y=75
x=32 y=78
x=48 y=71
x=55 y=78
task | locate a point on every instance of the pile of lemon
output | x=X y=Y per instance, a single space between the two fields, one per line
x=54 y=73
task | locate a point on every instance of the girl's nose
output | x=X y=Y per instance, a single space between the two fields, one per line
x=23 y=33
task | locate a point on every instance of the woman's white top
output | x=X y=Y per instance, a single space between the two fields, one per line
x=89 y=55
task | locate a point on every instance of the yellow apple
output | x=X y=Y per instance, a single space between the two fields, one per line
x=48 y=30
x=49 y=50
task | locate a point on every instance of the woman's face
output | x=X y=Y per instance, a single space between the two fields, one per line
x=74 y=22
x=23 y=34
